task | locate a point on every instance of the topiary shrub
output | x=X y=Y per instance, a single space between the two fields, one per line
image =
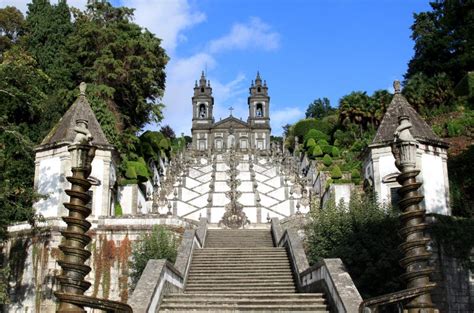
x=310 y=143
x=130 y=172
x=327 y=160
x=336 y=172
x=316 y=135
x=323 y=142
x=302 y=127
x=355 y=173
x=164 y=144
x=327 y=149
x=317 y=152
x=335 y=152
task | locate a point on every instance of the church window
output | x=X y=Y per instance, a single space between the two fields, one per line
x=259 y=89
x=259 y=110
x=202 y=89
x=202 y=110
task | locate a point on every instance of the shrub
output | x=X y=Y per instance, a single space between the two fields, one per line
x=164 y=144
x=355 y=173
x=323 y=142
x=455 y=128
x=336 y=172
x=137 y=170
x=316 y=135
x=130 y=172
x=365 y=236
x=327 y=160
x=302 y=127
x=335 y=152
x=327 y=149
x=310 y=143
x=118 y=209
x=159 y=244
x=317 y=152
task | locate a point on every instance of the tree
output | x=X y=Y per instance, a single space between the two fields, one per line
x=365 y=237
x=444 y=40
x=159 y=244
x=12 y=25
x=113 y=52
x=168 y=132
x=319 y=108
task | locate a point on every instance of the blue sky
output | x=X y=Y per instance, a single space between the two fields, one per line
x=305 y=49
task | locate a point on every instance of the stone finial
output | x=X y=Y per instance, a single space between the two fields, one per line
x=396 y=86
x=82 y=88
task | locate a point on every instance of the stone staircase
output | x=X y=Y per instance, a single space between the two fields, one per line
x=241 y=270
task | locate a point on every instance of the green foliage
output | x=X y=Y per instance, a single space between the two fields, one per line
x=159 y=244
x=355 y=173
x=456 y=235
x=168 y=132
x=428 y=93
x=16 y=177
x=319 y=108
x=164 y=144
x=310 y=143
x=130 y=172
x=315 y=134
x=12 y=25
x=302 y=127
x=336 y=172
x=465 y=87
x=444 y=40
x=4 y=274
x=317 y=152
x=322 y=142
x=365 y=237
x=137 y=170
x=327 y=149
x=327 y=160
x=335 y=152
x=461 y=183
x=118 y=209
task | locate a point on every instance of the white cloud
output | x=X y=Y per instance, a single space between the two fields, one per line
x=167 y=19
x=281 y=117
x=252 y=35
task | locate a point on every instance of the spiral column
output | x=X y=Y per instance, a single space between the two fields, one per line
x=416 y=256
x=73 y=266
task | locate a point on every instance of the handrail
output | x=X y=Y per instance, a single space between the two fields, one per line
x=394 y=297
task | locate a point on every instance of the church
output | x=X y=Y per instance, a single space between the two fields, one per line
x=231 y=132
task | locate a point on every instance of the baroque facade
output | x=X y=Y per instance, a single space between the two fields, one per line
x=231 y=132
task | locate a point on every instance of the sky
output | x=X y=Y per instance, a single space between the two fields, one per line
x=304 y=49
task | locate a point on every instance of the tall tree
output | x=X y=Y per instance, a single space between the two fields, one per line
x=12 y=24
x=168 y=132
x=319 y=108
x=126 y=61
x=444 y=40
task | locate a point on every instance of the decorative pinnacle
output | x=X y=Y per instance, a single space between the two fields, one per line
x=82 y=88
x=396 y=86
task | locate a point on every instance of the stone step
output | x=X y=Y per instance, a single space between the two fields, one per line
x=247 y=300
x=288 y=307
x=239 y=280
x=243 y=275
x=235 y=269
x=249 y=295
x=242 y=283
x=245 y=289
x=238 y=262
x=250 y=272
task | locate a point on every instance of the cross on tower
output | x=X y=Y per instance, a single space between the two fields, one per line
x=231 y=109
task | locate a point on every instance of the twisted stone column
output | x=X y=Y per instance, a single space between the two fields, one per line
x=73 y=266
x=416 y=256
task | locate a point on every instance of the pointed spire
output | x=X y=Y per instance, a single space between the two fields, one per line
x=82 y=88
x=195 y=83
x=258 y=80
x=208 y=83
x=202 y=81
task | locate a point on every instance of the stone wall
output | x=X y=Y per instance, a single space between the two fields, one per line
x=455 y=283
x=33 y=256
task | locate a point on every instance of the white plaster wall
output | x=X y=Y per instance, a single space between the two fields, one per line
x=434 y=188
x=49 y=185
x=342 y=192
x=97 y=172
x=125 y=198
x=141 y=201
x=386 y=166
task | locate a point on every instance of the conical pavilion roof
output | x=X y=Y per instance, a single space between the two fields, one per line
x=63 y=131
x=420 y=130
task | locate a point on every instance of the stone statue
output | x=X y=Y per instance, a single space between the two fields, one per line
x=83 y=135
